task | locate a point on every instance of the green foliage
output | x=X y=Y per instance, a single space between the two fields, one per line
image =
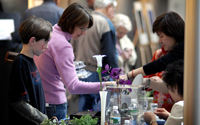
x=84 y=120
x=49 y=122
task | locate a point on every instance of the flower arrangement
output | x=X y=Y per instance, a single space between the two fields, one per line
x=113 y=72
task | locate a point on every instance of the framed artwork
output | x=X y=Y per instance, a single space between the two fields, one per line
x=150 y=14
x=145 y=51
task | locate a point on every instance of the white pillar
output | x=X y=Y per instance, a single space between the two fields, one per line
x=192 y=63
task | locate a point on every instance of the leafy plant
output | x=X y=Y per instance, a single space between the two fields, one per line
x=84 y=120
x=53 y=121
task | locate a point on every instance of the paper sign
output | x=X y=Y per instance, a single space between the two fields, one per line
x=6 y=28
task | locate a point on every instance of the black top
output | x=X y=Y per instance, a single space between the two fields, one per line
x=25 y=84
x=161 y=63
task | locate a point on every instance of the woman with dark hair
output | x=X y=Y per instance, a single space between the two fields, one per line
x=173 y=77
x=56 y=64
x=170 y=30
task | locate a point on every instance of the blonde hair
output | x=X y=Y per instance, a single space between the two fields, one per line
x=122 y=20
x=104 y=3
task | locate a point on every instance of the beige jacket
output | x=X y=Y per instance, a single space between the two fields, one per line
x=176 y=117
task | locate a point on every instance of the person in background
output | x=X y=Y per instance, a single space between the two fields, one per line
x=56 y=64
x=99 y=40
x=48 y=10
x=170 y=30
x=126 y=49
x=173 y=77
x=26 y=95
x=90 y=4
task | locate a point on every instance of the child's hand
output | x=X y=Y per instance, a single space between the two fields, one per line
x=149 y=116
x=156 y=78
x=162 y=113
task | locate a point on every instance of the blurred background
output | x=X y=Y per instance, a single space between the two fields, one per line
x=13 y=9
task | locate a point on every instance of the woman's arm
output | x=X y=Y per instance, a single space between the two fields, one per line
x=159 y=64
x=133 y=73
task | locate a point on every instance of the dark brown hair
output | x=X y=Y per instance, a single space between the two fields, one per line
x=75 y=15
x=173 y=76
x=171 y=24
x=35 y=27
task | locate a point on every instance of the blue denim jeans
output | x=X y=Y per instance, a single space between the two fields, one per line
x=159 y=123
x=90 y=101
x=60 y=111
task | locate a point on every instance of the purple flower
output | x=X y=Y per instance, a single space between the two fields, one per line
x=130 y=90
x=107 y=69
x=115 y=73
x=105 y=79
x=124 y=82
x=128 y=82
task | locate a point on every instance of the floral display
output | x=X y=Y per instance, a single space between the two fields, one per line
x=114 y=74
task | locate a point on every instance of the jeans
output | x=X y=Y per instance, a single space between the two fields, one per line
x=90 y=101
x=159 y=123
x=60 y=111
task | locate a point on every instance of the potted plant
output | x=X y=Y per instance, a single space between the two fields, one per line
x=84 y=120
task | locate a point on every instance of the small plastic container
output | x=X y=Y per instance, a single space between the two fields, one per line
x=127 y=122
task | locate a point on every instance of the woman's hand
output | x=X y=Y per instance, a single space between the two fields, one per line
x=109 y=83
x=162 y=113
x=126 y=54
x=123 y=77
x=149 y=116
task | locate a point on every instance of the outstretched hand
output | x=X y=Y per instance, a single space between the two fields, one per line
x=124 y=77
x=109 y=83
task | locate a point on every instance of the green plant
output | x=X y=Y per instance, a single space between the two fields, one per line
x=52 y=122
x=84 y=120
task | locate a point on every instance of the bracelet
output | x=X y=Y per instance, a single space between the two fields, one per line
x=132 y=74
x=152 y=122
x=127 y=76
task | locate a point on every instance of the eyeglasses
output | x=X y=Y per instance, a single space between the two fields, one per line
x=83 y=29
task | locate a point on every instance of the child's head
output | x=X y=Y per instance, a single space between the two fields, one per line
x=173 y=77
x=35 y=27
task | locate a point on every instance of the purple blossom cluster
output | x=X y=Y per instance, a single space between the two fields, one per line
x=114 y=74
